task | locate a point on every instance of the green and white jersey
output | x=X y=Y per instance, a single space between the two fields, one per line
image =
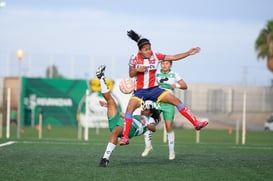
x=139 y=127
x=167 y=79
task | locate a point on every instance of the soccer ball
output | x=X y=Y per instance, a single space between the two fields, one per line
x=127 y=85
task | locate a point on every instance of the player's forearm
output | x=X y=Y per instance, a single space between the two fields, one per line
x=192 y=51
x=132 y=72
x=177 y=56
x=182 y=84
x=151 y=127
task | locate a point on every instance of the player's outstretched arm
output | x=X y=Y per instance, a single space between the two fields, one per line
x=180 y=56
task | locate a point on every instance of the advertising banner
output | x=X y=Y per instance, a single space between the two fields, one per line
x=58 y=99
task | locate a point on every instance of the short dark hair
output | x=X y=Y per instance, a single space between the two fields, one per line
x=171 y=62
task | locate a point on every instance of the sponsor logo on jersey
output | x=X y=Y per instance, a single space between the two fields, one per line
x=149 y=67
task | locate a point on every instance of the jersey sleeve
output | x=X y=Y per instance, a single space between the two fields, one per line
x=132 y=62
x=177 y=77
x=160 y=56
x=151 y=120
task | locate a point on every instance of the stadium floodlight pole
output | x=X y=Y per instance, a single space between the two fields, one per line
x=20 y=56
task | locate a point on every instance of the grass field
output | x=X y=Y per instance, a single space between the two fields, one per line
x=60 y=156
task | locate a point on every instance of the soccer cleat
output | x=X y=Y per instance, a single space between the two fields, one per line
x=201 y=124
x=147 y=151
x=124 y=141
x=172 y=156
x=103 y=163
x=100 y=71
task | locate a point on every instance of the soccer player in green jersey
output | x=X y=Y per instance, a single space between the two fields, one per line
x=168 y=80
x=146 y=121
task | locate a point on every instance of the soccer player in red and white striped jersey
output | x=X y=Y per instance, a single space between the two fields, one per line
x=143 y=66
x=146 y=79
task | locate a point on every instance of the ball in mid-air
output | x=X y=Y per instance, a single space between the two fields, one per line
x=127 y=85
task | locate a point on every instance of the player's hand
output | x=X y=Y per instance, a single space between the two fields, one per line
x=173 y=86
x=142 y=119
x=122 y=115
x=103 y=104
x=193 y=51
x=142 y=69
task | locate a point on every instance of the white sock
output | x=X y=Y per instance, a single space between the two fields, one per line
x=148 y=138
x=103 y=85
x=109 y=149
x=171 y=141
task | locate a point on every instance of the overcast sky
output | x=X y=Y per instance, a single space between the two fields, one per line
x=79 y=35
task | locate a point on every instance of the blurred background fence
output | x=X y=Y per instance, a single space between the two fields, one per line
x=222 y=105
x=227 y=98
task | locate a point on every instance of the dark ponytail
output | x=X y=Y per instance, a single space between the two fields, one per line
x=156 y=115
x=137 y=38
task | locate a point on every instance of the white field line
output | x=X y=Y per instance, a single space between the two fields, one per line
x=135 y=144
x=7 y=143
x=48 y=142
x=104 y=143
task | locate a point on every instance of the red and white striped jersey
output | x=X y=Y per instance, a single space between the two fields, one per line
x=146 y=79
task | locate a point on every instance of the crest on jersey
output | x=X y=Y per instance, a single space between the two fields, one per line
x=152 y=60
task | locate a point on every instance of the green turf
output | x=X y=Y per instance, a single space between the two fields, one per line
x=60 y=156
